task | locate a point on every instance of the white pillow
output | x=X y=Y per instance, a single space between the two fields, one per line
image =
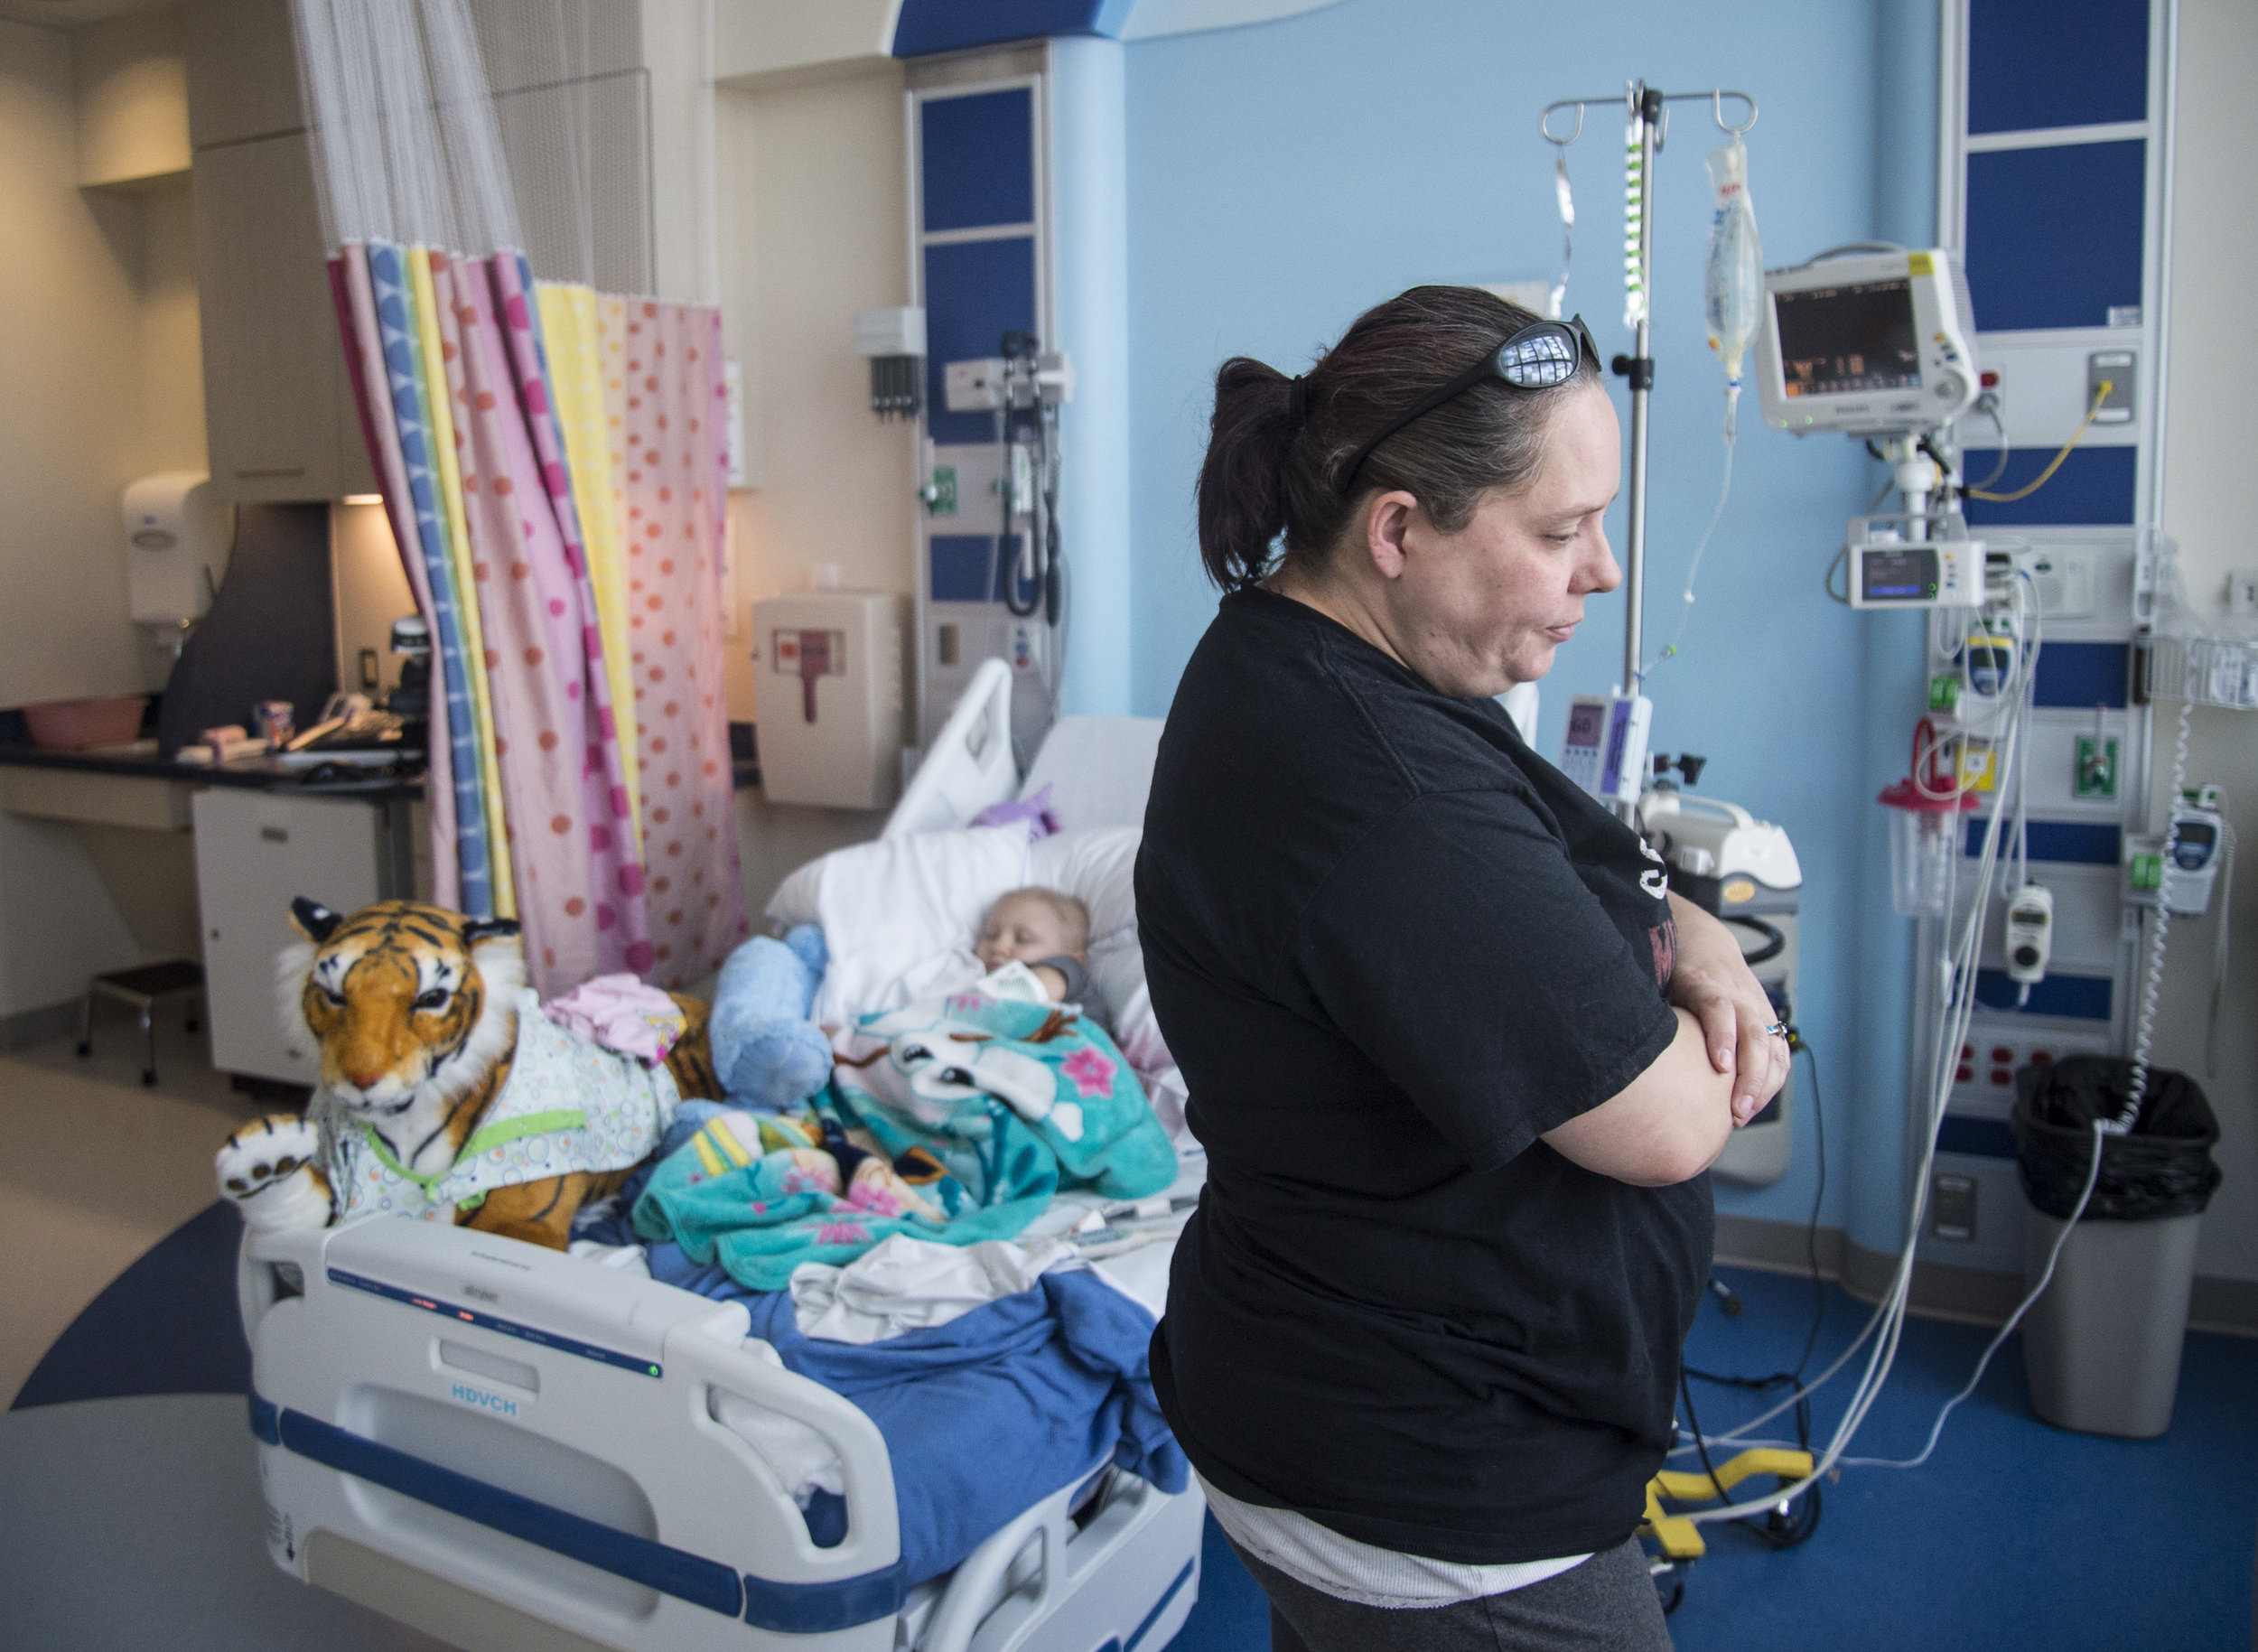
x=1098 y=868
x=890 y=906
x=893 y=911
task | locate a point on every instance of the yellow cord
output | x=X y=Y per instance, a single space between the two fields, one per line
x=2101 y=395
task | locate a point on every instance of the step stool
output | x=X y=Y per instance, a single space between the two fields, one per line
x=142 y=987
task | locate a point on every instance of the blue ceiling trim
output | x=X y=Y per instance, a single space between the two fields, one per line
x=925 y=27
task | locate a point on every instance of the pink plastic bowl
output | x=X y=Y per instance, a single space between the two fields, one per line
x=67 y=725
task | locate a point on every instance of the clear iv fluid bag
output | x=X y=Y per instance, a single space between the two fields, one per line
x=1732 y=287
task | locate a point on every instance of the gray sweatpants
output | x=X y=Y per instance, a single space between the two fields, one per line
x=1606 y=1604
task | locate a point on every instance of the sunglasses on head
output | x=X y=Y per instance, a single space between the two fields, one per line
x=1542 y=355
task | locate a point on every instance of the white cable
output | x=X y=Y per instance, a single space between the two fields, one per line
x=1889 y=1318
x=2093 y=1174
x=2222 y=925
x=2152 y=969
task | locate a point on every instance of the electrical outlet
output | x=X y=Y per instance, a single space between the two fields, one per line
x=2242 y=592
x=2120 y=370
x=1952 y=1206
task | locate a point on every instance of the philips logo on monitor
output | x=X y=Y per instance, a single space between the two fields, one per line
x=501 y=1406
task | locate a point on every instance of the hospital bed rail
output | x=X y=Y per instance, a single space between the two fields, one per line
x=512 y=1448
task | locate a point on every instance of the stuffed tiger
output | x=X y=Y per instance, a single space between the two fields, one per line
x=444 y=1092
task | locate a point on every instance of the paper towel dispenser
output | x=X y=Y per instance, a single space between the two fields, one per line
x=178 y=533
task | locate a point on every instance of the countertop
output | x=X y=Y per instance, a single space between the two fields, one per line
x=138 y=760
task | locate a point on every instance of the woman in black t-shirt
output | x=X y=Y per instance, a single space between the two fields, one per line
x=1459 y=1057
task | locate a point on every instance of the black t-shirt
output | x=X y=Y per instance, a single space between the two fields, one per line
x=1390 y=947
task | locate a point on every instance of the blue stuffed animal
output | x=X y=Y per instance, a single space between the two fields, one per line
x=767 y=1052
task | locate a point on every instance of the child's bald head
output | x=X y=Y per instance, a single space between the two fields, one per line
x=1032 y=924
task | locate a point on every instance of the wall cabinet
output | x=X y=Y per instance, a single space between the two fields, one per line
x=279 y=419
x=242 y=70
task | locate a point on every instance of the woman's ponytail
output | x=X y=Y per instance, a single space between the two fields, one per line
x=1242 y=481
x=1277 y=445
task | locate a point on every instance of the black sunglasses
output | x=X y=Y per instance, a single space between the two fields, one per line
x=1542 y=355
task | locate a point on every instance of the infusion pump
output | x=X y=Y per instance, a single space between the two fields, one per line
x=1869 y=344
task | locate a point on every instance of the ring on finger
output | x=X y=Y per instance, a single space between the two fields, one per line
x=1778 y=1029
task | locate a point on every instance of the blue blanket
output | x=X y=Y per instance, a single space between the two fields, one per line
x=983 y=1416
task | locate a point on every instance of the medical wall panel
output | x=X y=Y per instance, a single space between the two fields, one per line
x=974 y=293
x=2056 y=234
x=978 y=155
x=2038 y=64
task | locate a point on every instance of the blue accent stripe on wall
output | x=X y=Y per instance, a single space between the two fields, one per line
x=2082 y=675
x=2036 y=63
x=976 y=156
x=960 y=565
x=2055 y=235
x=974 y=293
x=927 y=26
x=2077 y=997
x=2059 y=843
x=2094 y=488
x=1985 y=1138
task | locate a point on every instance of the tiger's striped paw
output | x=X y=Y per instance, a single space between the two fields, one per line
x=271 y=1169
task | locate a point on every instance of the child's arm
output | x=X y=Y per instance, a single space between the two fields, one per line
x=1064 y=978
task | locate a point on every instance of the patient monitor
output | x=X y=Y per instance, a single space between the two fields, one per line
x=1868 y=343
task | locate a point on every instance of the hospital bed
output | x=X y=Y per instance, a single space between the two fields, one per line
x=512 y=1448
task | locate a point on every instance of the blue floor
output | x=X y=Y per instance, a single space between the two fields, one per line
x=2014 y=1534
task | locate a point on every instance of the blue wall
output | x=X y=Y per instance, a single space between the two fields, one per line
x=1283 y=177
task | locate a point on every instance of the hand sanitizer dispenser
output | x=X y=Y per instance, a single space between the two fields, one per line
x=178 y=534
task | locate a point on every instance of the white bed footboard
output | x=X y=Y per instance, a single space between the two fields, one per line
x=530 y=1430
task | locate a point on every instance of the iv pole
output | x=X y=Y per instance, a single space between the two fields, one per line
x=1648 y=123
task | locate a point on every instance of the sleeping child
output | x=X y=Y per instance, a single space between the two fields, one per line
x=1034 y=943
x=1032 y=946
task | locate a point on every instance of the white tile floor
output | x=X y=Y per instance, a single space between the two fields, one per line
x=95 y=1168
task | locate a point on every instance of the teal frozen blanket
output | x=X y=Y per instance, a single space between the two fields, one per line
x=953 y=1119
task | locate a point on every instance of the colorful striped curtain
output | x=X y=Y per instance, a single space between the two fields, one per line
x=485 y=411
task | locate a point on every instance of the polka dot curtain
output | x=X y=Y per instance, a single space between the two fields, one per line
x=665 y=419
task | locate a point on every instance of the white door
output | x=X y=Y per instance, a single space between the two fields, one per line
x=255 y=852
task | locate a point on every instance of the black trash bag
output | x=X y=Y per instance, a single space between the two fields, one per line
x=2163 y=1168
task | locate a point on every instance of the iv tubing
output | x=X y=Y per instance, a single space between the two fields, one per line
x=1889 y=1315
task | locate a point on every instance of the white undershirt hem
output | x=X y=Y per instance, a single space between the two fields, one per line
x=1324 y=1560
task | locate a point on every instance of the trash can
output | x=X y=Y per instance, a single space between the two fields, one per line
x=2101 y=1348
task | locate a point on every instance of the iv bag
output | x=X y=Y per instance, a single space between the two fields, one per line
x=1732 y=287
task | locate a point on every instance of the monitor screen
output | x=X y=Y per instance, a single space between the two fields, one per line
x=1586 y=724
x=1837 y=340
x=1903 y=576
